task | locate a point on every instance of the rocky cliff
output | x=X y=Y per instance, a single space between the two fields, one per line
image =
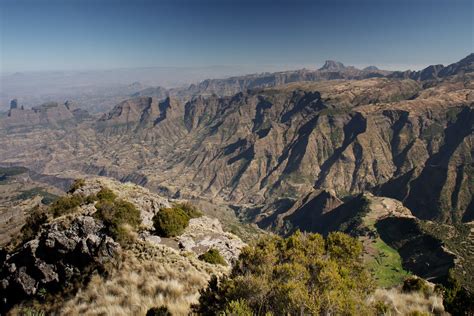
x=51 y=114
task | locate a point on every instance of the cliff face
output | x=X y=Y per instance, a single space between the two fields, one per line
x=50 y=114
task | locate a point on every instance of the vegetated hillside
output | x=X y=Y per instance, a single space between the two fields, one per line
x=97 y=250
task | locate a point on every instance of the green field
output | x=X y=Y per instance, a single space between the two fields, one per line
x=387 y=265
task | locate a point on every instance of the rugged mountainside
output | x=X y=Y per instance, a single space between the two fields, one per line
x=263 y=149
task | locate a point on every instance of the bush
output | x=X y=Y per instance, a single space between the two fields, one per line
x=105 y=194
x=170 y=222
x=302 y=274
x=66 y=204
x=213 y=256
x=158 y=311
x=189 y=209
x=115 y=215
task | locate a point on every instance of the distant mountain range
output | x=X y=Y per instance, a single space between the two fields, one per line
x=331 y=70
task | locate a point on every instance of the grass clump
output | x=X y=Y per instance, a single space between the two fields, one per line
x=213 y=256
x=171 y=222
x=239 y=307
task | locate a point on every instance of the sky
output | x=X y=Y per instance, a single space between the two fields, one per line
x=39 y=35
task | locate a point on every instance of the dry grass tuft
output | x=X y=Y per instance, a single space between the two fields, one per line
x=397 y=302
x=150 y=275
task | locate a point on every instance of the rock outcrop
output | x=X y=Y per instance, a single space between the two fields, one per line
x=61 y=254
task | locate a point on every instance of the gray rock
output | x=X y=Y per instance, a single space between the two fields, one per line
x=61 y=252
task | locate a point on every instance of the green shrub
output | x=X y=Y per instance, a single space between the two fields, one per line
x=105 y=194
x=115 y=214
x=158 y=311
x=66 y=204
x=189 y=209
x=170 y=222
x=300 y=275
x=213 y=256
x=77 y=184
x=37 y=217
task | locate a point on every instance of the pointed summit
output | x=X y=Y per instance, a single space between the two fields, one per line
x=370 y=68
x=331 y=65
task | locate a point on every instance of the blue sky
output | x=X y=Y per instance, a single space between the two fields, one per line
x=104 y=34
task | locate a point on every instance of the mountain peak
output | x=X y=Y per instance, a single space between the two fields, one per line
x=370 y=68
x=332 y=65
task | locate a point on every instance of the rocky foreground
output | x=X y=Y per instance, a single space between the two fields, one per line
x=74 y=256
